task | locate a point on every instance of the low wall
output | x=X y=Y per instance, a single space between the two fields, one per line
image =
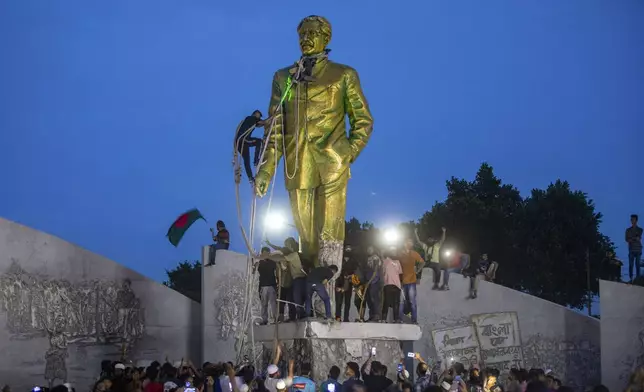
x=505 y=328
x=223 y=300
x=64 y=309
x=622 y=332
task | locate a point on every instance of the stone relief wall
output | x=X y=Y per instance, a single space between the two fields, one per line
x=225 y=338
x=229 y=310
x=89 y=313
x=64 y=309
x=622 y=332
x=576 y=361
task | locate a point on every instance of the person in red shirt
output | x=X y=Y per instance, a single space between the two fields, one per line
x=221 y=241
x=453 y=261
x=153 y=385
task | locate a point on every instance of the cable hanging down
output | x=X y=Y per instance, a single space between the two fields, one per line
x=238 y=143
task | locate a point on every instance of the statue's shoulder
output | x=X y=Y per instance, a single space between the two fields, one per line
x=283 y=73
x=342 y=69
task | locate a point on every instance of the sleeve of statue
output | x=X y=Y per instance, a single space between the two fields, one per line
x=360 y=120
x=273 y=130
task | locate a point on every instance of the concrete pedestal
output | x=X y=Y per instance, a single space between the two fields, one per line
x=324 y=345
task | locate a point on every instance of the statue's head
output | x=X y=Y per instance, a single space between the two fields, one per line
x=315 y=34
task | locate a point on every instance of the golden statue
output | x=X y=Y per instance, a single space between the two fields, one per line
x=310 y=102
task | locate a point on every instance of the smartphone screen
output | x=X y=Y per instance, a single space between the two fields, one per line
x=400 y=367
x=373 y=351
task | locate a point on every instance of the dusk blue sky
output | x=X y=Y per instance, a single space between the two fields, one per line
x=117 y=116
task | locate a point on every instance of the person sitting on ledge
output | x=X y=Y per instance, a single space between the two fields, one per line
x=221 y=241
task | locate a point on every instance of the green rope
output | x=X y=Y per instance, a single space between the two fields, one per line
x=289 y=92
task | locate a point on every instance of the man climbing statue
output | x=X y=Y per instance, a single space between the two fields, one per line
x=244 y=141
x=309 y=130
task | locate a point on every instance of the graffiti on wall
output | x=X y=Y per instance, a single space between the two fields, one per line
x=500 y=340
x=84 y=313
x=493 y=339
x=497 y=336
x=457 y=345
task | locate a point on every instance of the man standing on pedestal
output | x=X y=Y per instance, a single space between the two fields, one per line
x=310 y=102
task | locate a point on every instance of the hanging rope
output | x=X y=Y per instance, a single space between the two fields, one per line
x=239 y=145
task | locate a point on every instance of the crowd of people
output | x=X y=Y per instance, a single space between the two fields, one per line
x=371 y=376
x=373 y=280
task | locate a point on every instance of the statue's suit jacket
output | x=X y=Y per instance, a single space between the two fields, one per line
x=324 y=151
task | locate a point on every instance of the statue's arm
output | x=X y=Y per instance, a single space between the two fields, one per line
x=360 y=118
x=273 y=130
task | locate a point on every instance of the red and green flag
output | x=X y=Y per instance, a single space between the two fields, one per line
x=181 y=224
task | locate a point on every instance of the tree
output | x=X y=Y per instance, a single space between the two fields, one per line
x=359 y=234
x=186 y=279
x=481 y=216
x=560 y=230
x=540 y=242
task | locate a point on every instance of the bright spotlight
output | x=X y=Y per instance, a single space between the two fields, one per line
x=275 y=221
x=391 y=236
x=448 y=253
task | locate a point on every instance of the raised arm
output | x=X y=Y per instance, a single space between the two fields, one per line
x=360 y=119
x=366 y=367
x=443 y=236
x=278 y=353
x=424 y=245
x=231 y=377
x=282 y=249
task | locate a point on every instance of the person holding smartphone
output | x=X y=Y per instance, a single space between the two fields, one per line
x=374 y=374
x=424 y=375
x=331 y=384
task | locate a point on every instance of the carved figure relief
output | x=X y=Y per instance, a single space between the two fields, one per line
x=87 y=312
x=632 y=362
x=229 y=305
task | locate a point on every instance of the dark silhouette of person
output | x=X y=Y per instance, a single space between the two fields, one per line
x=244 y=141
